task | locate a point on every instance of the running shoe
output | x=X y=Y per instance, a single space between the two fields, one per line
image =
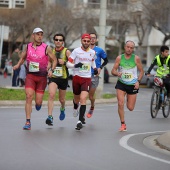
x=83 y=121
x=27 y=126
x=76 y=111
x=38 y=107
x=79 y=125
x=123 y=128
x=49 y=121
x=90 y=113
x=62 y=114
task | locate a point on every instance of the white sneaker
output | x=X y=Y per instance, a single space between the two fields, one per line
x=76 y=111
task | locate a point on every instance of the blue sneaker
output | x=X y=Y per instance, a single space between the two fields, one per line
x=38 y=107
x=49 y=121
x=62 y=114
x=27 y=126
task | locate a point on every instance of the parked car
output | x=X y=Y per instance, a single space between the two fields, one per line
x=149 y=80
x=106 y=75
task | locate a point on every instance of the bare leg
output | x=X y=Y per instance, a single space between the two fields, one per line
x=120 y=98
x=52 y=88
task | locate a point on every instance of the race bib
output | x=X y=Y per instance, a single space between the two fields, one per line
x=34 y=67
x=127 y=77
x=58 y=72
x=85 y=67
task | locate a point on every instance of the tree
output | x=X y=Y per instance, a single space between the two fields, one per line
x=158 y=14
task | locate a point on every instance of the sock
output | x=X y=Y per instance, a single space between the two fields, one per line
x=75 y=105
x=123 y=122
x=28 y=120
x=82 y=112
x=92 y=108
x=62 y=109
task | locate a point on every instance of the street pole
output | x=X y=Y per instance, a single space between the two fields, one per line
x=102 y=37
x=1 y=42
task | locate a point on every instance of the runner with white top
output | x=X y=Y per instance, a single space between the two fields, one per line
x=83 y=58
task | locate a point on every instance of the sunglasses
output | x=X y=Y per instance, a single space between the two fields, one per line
x=86 y=41
x=58 y=40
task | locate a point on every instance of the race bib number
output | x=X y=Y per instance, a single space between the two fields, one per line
x=34 y=67
x=127 y=77
x=58 y=72
x=85 y=67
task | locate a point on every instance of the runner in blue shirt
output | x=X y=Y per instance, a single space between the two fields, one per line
x=100 y=55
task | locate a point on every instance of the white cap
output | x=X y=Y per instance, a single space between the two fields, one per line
x=37 y=30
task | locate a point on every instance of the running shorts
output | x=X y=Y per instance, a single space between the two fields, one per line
x=37 y=83
x=80 y=84
x=129 y=89
x=61 y=83
x=94 y=81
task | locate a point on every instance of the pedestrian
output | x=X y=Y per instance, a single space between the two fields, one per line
x=15 y=58
x=100 y=55
x=125 y=67
x=83 y=58
x=37 y=56
x=59 y=79
x=22 y=75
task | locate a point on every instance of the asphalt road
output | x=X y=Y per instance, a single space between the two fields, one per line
x=98 y=146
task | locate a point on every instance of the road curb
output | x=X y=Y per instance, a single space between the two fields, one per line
x=56 y=103
x=164 y=140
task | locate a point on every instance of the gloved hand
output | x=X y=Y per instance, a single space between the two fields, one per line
x=95 y=71
x=78 y=65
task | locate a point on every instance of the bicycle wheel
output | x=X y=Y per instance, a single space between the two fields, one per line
x=154 y=105
x=166 y=107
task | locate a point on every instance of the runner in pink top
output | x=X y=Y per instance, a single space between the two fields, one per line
x=83 y=58
x=36 y=54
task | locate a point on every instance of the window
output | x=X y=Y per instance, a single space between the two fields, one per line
x=12 y=3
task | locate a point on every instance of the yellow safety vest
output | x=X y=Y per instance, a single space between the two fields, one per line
x=162 y=70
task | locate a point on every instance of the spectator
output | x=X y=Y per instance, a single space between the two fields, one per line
x=15 y=58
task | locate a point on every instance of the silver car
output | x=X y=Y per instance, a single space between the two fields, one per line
x=149 y=80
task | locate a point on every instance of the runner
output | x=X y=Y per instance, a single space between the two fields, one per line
x=125 y=68
x=83 y=58
x=37 y=55
x=101 y=55
x=59 y=78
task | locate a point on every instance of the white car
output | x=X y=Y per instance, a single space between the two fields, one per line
x=70 y=71
x=8 y=66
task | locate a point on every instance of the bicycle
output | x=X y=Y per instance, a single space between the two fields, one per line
x=159 y=99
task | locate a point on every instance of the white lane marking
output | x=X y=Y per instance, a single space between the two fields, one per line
x=123 y=142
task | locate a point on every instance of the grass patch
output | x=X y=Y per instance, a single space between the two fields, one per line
x=108 y=96
x=19 y=94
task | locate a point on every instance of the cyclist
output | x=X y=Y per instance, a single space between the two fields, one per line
x=162 y=60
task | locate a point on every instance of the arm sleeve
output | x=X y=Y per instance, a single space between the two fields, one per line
x=93 y=64
x=152 y=65
x=69 y=65
x=104 y=63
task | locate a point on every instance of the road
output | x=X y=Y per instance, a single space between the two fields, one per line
x=98 y=146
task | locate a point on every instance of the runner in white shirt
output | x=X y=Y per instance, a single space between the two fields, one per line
x=83 y=58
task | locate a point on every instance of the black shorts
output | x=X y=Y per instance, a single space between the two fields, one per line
x=61 y=83
x=129 y=89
